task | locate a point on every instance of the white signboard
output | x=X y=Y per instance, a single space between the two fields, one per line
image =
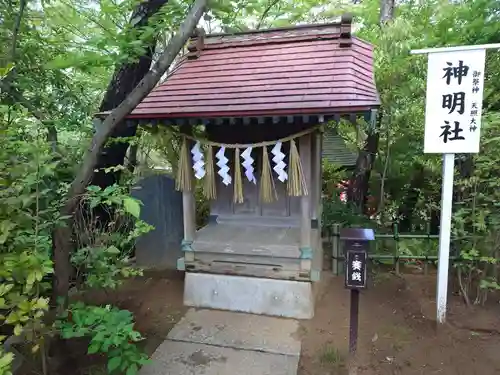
x=454 y=101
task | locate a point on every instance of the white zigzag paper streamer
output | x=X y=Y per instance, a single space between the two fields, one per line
x=198 y=162
x=223 y=168
x=248 y=164
x=280 y=165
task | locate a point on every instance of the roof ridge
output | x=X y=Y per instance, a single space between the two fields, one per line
x=282 y=39
x=334 y=30
x=277 y=29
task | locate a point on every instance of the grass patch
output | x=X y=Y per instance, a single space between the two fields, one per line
x=331 y=356
x=400 y=336
x=379 y=275
x=398 y=333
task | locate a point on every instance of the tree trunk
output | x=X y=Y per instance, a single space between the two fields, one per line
x=62 y=245
x=125 y=79
x=386 y=11
x=358 y=187
x=410 y=201
x=62 y=242
x=359 y=184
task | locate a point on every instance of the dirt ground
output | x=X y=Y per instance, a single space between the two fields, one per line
x=397 y=331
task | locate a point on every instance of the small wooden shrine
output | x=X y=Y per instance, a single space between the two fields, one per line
x=264 y=98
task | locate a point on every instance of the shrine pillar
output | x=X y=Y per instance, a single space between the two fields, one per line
x=306 y=253
x=189 y=214
x=316 y=204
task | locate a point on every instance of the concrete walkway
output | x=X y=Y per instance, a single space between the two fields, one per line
x=211 y=342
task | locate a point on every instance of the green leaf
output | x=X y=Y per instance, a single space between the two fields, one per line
x=6 y=69
x=94 y=202
x=42 y=303
x=18 y=329
x=38 y=275
x=113 y=250
x=132 y=370
x=30 y=280
x=94 y=348
x=5 y=288
x=6 y=227
x=124 y=366
x=114 y=363
x=12 y=318
x=132 y=206
x=6 y=359
x=24 y=306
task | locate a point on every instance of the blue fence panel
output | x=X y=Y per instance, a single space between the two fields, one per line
x=162 y=208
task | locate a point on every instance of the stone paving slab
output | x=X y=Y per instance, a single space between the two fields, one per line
x=183 y=358
x=239 y=331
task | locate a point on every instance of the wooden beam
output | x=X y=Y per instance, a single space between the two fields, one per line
x=196 y=44
x=345 y=39
x=316 y=175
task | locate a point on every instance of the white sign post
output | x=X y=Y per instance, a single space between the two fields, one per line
x=455 y=77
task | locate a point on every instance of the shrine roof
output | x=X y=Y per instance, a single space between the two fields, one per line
x=312 y=69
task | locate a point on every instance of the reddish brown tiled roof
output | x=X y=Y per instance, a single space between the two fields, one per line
x=302 y=70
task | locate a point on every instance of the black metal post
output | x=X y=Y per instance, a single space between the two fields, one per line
x=355 y=244
x=353 y=324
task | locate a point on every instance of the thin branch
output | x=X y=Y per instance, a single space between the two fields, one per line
x=463 y=291
x=6 y=87
x=82 y=12
x=9 y=89
x=17 y=26
x=37 y=192
x=384 y=173
x=266 y=11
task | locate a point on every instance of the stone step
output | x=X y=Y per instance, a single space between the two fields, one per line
x=291 y=299
x=183 y=358
x=238 y=331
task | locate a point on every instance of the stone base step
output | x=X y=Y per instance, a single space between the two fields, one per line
x=291 y=299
